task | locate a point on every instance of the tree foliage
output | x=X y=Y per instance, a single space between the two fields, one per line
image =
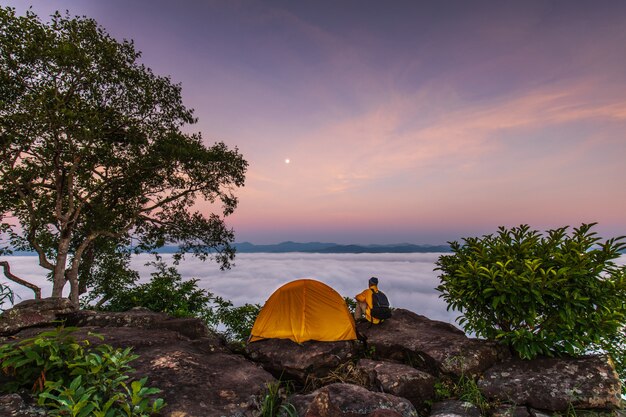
x=541 y=294
x=166 y=292
x=92 y=152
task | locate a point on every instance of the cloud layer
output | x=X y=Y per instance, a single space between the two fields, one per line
x=408 y=279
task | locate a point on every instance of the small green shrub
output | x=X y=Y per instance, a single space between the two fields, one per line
x=467 y=390
x=463 y=389
x=6 y=296
x=444 y=389
x=271 y=400
x=273 y=403
x=72 y=378
x=351 y=303
x=370 y=352
x=540 y=294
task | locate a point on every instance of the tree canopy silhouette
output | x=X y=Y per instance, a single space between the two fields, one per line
x=93 y=152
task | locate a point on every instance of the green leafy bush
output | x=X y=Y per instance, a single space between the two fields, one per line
x=106 y=271
x=72 y=378
x=236 y=321
x=166 y=292
x=540 y=294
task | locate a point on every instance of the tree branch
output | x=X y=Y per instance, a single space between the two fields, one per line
x=31 y=236
x=70 y=187
x=169 y=199
x=43 y=261
x=9 y=275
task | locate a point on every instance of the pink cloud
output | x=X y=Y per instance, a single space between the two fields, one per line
x=352 y=170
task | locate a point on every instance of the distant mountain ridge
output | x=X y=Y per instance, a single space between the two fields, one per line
x=320 y=247
x=316 y=247
x=312 y=247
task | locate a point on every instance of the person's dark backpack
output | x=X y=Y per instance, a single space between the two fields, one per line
x=380 y=306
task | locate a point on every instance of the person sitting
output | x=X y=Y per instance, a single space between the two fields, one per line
x=364 y=302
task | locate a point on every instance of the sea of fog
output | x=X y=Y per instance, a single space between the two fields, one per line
x=409 y=280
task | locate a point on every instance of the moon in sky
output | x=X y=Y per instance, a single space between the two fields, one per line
x=287 y=161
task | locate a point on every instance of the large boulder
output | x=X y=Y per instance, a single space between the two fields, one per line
x=433 y=346
x=348 y=400
x=555 y=384
x=400 y=380
x=283 y=357
x=34 y=313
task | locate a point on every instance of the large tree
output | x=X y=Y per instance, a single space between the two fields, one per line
x=92 y=152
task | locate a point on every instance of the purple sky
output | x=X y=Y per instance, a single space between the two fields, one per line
x=403 y=121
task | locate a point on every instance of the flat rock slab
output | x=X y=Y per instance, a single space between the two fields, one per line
x=433 y=346
x=554 y=383
x=283 y=357
x=139 y=318
x=196 y=385
x=33 y=313
x=348 y=400
x=400 y=380
x=198 y=377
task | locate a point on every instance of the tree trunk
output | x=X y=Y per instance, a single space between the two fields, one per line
x=87 y=262
x=72 y=277
x=58 y=280
x=72 y=272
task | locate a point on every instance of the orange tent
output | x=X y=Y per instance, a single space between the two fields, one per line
x=303 y=310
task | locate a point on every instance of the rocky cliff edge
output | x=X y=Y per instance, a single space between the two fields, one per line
x=398 y=368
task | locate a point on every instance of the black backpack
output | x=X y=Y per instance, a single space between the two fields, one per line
x=380 y=306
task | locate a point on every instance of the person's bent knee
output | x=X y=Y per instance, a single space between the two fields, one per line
x=359 y=311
